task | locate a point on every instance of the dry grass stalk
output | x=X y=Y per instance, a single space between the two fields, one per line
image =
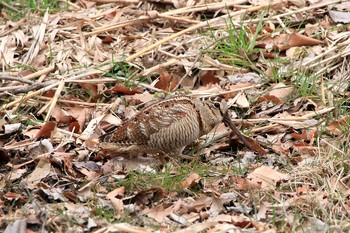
x=156 y=68
x=54 y=100
x=73 y=102
x=203 y=94
x=115 y=1
x=196 y=27
x=141 y=84
x=329 y=144
x=5 y=5
x=205 y=7
x=71 y=4
x=178 y=19
x=213 y=6
x=16 y=79
x=49 y=87
x=39 y=73
x=38 y=40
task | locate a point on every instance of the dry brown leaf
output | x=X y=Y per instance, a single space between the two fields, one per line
x=115 y=197
x=245 y=184
x=167 y=82
x=158 y=213
x=305 y=149
x=208 y=77
x=74 y=127
x=145 y=197
x=335 y=127
x=281 y=91
x=42 y=170
x=267 y=177
x=119 y=88
x=191 y=180
x=286 y=41
x=46 y=130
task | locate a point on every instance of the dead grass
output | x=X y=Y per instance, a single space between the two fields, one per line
x=75 y=71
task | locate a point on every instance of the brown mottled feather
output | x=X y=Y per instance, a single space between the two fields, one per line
x=165 y=127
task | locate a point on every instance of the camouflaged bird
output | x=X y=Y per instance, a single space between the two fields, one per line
x=165 y=127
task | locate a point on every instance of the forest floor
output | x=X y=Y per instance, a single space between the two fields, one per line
x=73 y=70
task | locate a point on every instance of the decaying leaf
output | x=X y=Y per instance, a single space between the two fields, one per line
x=267 y=177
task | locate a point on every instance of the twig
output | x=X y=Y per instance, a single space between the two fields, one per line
x=141 y=84
x=213 y=6
x=71 y=4
x=4 y=4
x=54 y=100
x=29 y=88
x=196 y=27
x=114 y=1
x=16 y=79
x=202 y=94
x=74 y=102
x=156 y=68
x=30 y=95
x=39 y=73
x=228 y=122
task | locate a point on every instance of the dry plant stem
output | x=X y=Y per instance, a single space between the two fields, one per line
x=338 y=46
x=39 y=73
x=156 y=68
x=195 y=27
x=328 y=68
x=264 y=128
x=303 y=118
x=228 y=122
x=115 y=1
x=47 y=88
x=315 y=6
x=142 y=85
x=35 y=86
x=205 y=7
x=73 y=102
x=178 y=19
x=3 y=89
x=54 y=100
x=38 y=39
x=323 y=95
x=214 y=6
x=4 y=4
x=329 y=144
x=202 y=94
x=16 y=79
x=71 y=4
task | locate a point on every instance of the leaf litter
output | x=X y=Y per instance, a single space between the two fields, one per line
x=70 y=76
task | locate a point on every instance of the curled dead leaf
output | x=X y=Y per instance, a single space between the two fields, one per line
x=191 y=180
x=46 y=130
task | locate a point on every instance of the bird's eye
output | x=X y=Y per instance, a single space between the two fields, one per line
x=216 y=105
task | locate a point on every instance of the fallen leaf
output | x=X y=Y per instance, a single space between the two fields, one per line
x=191 y=181
x=208 y=77
x=42 y=170
x=286 y=41
x=245 y=184
x=46 y=130
x=116 y=198
x=166 y=82
x=267 y=177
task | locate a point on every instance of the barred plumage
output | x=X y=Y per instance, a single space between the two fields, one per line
x=165 y=127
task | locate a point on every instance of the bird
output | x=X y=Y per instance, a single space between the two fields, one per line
x=166 y=127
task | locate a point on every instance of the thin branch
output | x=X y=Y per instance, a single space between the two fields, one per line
x=4 y=4
x=16 y=79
